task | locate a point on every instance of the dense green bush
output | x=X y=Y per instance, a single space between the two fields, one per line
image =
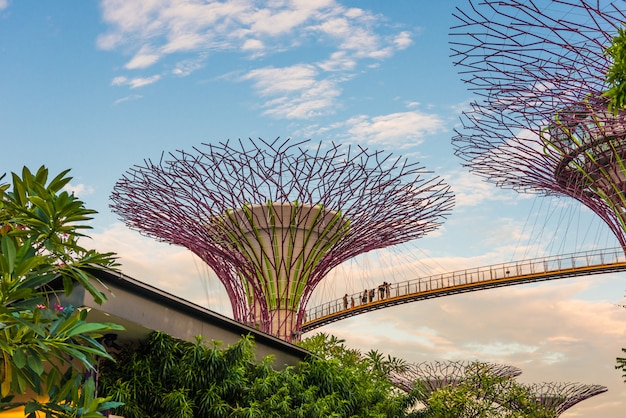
x=166 y=377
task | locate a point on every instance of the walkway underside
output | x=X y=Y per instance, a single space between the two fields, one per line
x=508 y=274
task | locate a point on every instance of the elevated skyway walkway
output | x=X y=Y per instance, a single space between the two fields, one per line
x=462 y=281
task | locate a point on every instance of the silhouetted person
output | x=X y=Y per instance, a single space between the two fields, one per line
x=345 y=301
x=381 y=291
x=364 y=297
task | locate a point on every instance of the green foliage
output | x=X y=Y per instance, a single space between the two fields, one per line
x=482 y=393
x=168 y=377
x=616 y=75
x=45 y=346
x=621 y=364
x=373 y=363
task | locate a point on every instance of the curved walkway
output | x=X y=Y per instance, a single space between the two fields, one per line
x=497 y=275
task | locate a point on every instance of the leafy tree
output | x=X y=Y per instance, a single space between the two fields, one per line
x=168 y=377
x=616 y=75
x=481 y=393
x=46 y=348
x=621 y=364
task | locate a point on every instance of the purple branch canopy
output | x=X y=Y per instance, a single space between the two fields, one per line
x=272 y=218
x=541 y=121
x=561 y=396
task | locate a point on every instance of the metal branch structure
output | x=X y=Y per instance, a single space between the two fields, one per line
x=273 y=218
x=436 y=375
x=540 y=123
x=557 y=397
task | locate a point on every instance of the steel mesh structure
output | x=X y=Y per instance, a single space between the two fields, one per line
x=439 y=374
x=272 y=218
x=539 y=123
x=554 y=397
x=557 y=397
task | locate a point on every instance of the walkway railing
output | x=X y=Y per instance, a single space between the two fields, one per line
x=497 y=275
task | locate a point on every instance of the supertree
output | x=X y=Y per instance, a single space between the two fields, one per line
x=436 y=375
x=272 y=218
x=557 y=397
x=540 y=122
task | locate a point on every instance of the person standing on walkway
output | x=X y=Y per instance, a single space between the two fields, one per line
x=381 y=291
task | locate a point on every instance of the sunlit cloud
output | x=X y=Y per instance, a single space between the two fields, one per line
x=172 y=269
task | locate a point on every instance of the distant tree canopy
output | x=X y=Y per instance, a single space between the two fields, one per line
x=616 y=75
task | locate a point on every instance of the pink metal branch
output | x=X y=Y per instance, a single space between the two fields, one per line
x=183 y=199
x=539 y=123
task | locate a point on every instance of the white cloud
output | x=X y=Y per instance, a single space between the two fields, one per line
x=127 y=98
x=142 y=59
x=252 y=45
x=403 y=40
x=293 y=92
x=135 y=82
x=408 y=128
x=140 y=82
x=4 y=4
x=272 y=81
x=338 y=61
x=155 y=29
x=186 y=67
x=472 y=190
x=79 y=190
x=119 y=81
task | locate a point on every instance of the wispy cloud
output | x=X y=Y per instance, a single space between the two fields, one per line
x=402 y=130
x=471 y=190
x=293 y=92
x=397 y=128
x=4 y=4
x=136 y=82
x=154 y=30
x=127 y=99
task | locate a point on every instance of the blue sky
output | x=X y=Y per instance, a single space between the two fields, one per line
x=100 y=86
